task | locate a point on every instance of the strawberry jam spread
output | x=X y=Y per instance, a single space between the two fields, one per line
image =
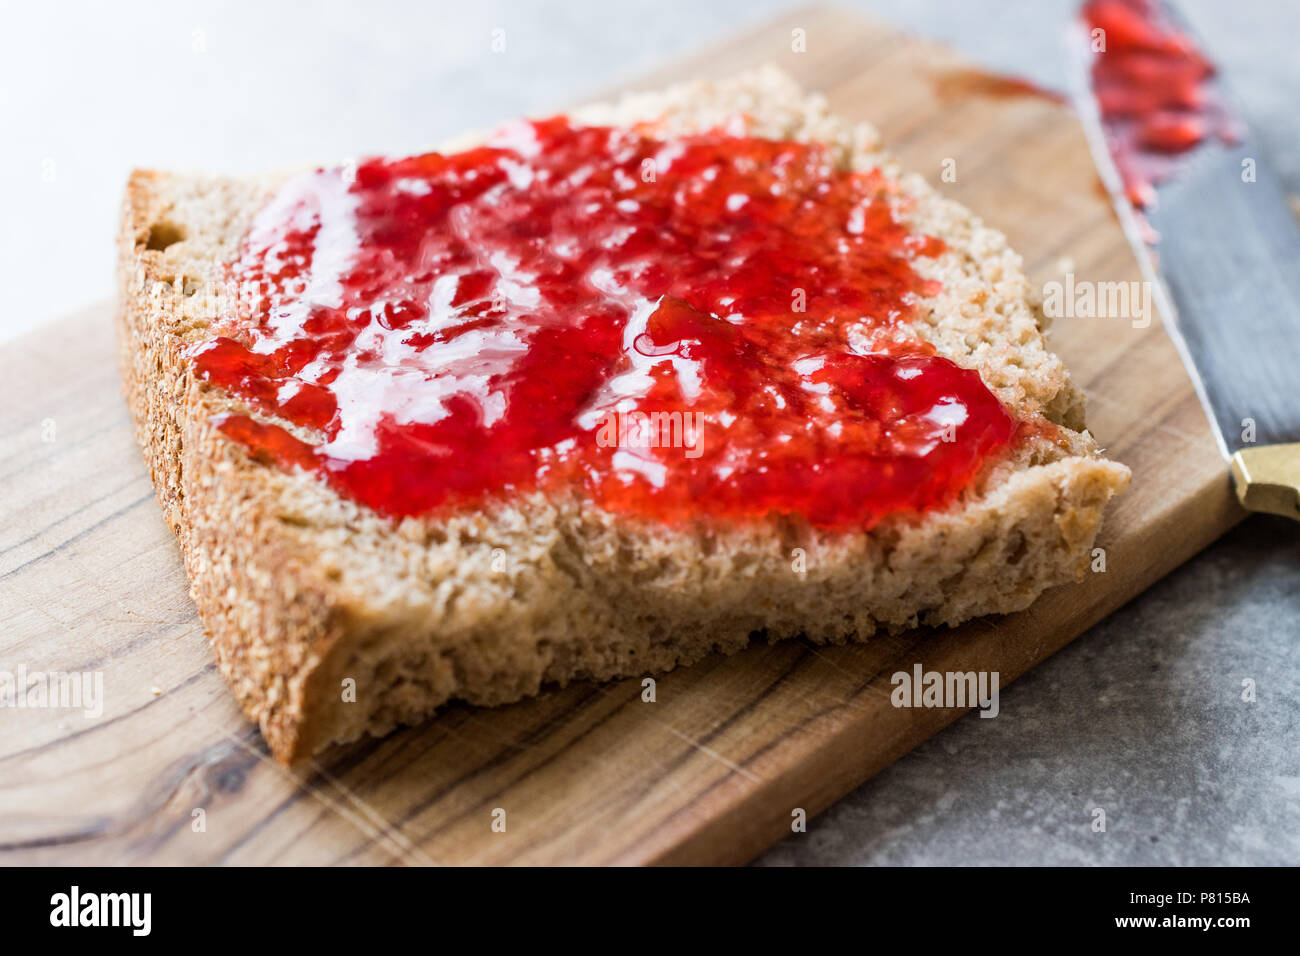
x=704 y=326
x=1153 y=89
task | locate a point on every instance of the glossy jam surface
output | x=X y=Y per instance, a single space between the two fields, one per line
x=1153 y=89
x=698 y=327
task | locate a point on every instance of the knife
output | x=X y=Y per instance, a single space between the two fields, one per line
x=1225 y=268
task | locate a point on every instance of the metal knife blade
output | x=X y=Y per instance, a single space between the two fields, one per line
x=1226 y=278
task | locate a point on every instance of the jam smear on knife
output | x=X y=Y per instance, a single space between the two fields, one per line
x=1153 y=88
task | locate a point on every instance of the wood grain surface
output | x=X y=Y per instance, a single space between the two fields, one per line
x=91 y=581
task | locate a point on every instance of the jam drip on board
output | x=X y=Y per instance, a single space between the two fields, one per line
x=1154 y=92
x=706 y=326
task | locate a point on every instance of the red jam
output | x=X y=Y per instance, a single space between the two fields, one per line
x=1152 y=87
x=702 y=326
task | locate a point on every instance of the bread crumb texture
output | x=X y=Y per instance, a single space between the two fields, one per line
x=300 y=590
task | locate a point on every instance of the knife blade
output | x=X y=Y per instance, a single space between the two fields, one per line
x=1225 y=271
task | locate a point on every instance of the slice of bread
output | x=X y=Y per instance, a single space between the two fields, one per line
x=303 y=591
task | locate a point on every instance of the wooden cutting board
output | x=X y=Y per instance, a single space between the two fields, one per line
x=715 y=769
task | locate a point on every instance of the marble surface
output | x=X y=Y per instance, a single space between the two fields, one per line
x=1142 y=717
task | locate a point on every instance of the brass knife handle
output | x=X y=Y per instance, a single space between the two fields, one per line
x=1268 y=478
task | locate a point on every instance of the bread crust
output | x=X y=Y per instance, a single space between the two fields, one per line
x=301 y=591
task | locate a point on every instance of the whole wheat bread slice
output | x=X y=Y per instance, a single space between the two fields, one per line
x=301 y=589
